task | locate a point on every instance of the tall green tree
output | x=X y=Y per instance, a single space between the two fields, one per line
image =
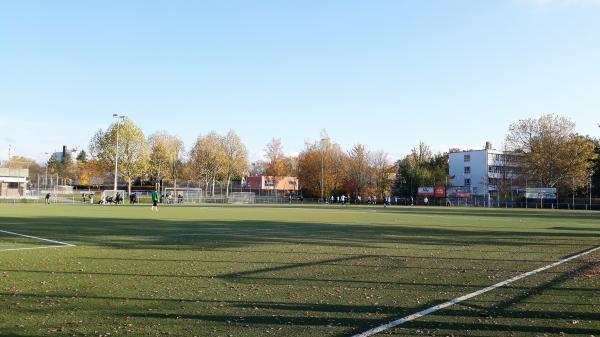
x=331 y=158
x=166 y=156
x=359 y=173
x=82 y=156
x=133 y=149
x=276 y=161
x=553 y=154
x=205 y=160
x=309 y=170
x=234 y=161
x=420 y=168
x=383 y=173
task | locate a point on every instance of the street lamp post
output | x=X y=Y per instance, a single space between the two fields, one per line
x=117 y=154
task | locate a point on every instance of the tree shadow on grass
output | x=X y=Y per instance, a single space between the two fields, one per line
x=435 y=210
x=244 y=235
x=344 y=315
x=587 y=229
x=503 y=310
x=209 y=234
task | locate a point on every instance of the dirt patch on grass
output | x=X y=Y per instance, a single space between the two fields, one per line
x=592 y=269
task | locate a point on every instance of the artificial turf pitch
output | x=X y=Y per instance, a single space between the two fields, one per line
x=294 y=271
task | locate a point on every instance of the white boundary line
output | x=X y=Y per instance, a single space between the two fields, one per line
x=38 y=238
x=441 y=306
x=31 y=248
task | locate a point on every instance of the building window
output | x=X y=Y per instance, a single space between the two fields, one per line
x=467 y=169
x=467 y=157
x=467 y=182
x=13 y=185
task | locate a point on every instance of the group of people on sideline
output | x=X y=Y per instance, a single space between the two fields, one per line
x=169 y=198
x=345 y=199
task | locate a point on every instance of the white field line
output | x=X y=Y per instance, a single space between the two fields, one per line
x=31 y=248
x=441 y=306
x=38 y=238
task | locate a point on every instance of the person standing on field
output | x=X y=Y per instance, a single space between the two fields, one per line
x=155 y=201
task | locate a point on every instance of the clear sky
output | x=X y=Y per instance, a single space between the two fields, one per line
x=387 y=74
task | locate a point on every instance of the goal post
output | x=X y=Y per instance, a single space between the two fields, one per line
x=242 y=198
x=112 y=194
x=182 y=195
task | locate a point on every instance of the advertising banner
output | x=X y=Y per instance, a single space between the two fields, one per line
x=425 y=191
x=458 y=192
x=440 y=191
x=541 y=193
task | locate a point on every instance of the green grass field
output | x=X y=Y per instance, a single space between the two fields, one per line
x=294 y=271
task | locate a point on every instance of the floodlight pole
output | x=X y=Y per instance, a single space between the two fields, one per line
x=526 y=192
x=117 y=155
x=46 y=178
x=322 y=172
x=573 y=192
x=590 y=182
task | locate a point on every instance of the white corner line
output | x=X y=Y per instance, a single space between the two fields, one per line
x=38 y=238
x=441 y=306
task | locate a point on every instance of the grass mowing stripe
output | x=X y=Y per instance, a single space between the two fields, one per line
x=38 y=238
x=454 y=301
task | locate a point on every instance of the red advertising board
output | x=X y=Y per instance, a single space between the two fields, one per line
x=440 y=191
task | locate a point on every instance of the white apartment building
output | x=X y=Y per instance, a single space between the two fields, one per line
x=483 y=171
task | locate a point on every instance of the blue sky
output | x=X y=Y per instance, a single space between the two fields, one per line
x=387 y=74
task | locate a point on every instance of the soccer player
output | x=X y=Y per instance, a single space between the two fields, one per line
x=155 y=201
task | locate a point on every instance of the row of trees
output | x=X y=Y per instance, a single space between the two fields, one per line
x=552 y=154
x=161 y=157
x=322 y=166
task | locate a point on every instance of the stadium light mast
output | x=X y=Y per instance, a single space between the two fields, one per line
x=46 y=178
x=322 y=171
x=119 y=118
